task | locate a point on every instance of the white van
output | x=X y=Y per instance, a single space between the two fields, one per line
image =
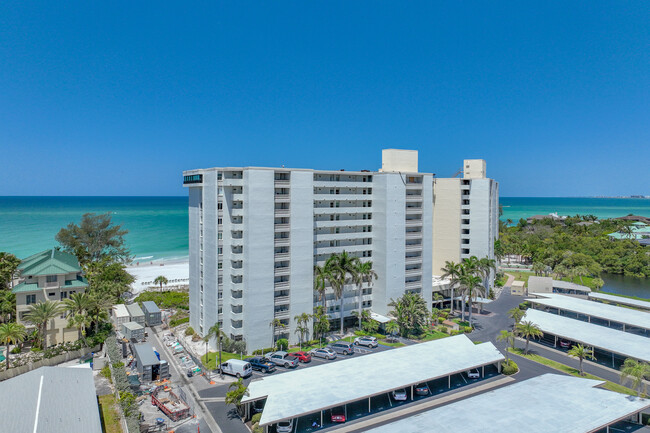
x=235 y=367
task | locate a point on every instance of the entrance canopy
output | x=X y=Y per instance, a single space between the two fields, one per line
x=379 y=318
x=310 y=390
x=477 y=300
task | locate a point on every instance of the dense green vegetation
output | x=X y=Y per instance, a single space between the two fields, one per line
x=574 y=250
x=167 y=299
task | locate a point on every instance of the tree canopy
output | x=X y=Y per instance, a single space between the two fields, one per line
x=95 y=239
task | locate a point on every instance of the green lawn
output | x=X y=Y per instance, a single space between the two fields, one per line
x=110 y=416
x=572 y=371
x=521 y=275
x=210 y=360
x=433 y=335
x=391 y=343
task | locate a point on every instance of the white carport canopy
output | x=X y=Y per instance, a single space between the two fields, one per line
x=602 y=337
x=626 y=316
x=379 y=318
x=309 y=390
x=620 y=300
x=547 y=403
x=477 y=300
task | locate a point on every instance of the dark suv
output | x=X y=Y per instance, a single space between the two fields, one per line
x=260 y=364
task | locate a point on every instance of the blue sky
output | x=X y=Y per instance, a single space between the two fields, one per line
x=117 y=98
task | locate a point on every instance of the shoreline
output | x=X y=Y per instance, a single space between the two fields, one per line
x=175 y=269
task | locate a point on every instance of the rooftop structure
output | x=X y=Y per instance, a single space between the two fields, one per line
x=549 y=285
x=547 y=403
x=609 y=313
x=366 y=376
x=49 y=262
x=50 y=400
x=121 y=314
x=644 y=305
x=152 y=314
x=136 y=314
x=621 y=343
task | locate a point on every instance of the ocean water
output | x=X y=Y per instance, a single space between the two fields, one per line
x=157 y=225
x=515 y=208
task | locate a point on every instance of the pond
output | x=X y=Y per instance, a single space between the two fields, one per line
x=626 y=285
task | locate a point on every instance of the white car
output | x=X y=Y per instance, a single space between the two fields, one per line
x=366 y=341
x=325 y=353
x=473 y=374
x=285 y=426
x=399 y=394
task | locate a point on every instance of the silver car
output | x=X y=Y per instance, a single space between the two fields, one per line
x=325 y=353
x=366 y=341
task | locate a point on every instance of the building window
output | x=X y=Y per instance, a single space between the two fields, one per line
x=51 y=293
x=219 y=265
x=220 y=206
x=64 y=295
x=30 y=299
x=51 y=279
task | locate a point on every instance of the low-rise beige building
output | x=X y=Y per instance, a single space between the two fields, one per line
x=50 y=275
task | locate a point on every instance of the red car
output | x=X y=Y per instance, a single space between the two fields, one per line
x=338 y=414
x=302 y=356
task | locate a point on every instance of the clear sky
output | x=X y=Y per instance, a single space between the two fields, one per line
x=118 y=97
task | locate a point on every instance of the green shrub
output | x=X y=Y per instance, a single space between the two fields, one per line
x=282 y=344
x=266 y=350
x=256 y=418
x=175 y=322
x=466 y=329
x=15 y=350
x=106 y=372
x=189 y=331
x=258 y=429
x=444 y=315
x=509 y=367
x=167 y=299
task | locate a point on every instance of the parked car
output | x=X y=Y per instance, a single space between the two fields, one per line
x=285 y=426
x=260 y=364
x=325 y=353
x=422 y=389
x=399 y=394
x=473 y=374
x=236 y=367
x=258 y=405
x=565 y=344
x=342 y=347
x=366 y=341
x=302 y=356
x=338 y=414
x=283 y=358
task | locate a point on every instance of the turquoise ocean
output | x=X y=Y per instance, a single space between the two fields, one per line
x=158 y=226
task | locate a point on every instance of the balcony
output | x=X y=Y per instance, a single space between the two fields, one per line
x=341 y=197
x=51 y=284
x=409 y=272
x=282 y=183
x=282 y=256
x=281 y=314
x=413 y=235
x=334 y=236
x=282 y=212
x=282 y=227
x=282 y=198
x=281 y=241
x=413 y=285
x=343 y=223
x=413 y=247
x=413 y=210
x=193 y=178
x=283 y=270
x=412 y=260
x=281 y=285
x=233 y=182
x=279 y=300
x=413 y=223
x=341 y=210
x=338 y=249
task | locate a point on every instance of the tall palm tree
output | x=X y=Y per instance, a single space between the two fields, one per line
x=7 y=305
x=438 y=298
x=410 y=311
x=528 y=330
x=321 y=321
x=538 y=268
x=435 y=315
x=509 y=338
x=452 y=271
x=320 y=282
x=341 y=268
x=237 y=391
x=364 y=274
x=77 y=306
x=581 y=271
x=40 y=314
x=473 y=287
x=302 y=328
x=486 y=265
x=635 y=372
x=161 y=280
x=392 y=328
x=273 y=324
x=581 y=352
x=98 y=309
x=214 y=331
x=516 y=314
x=11 y=333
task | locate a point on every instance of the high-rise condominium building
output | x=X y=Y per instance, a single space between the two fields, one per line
x=256 y=234
x=465 y=216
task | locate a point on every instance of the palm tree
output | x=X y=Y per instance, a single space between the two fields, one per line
x=635 y=372
x=509 y=338
x=473 y=287
x=161 y=280
x=214 y=331
x=275 y=323
x=581 y=353
x=98 y=309
x=364 y=274
x=538 y=268
x=628 y=231
x=598 y=283
x=452 y=271
x=486 y=265
x=321 y=322
x=435 y=315
x=410 y=311
x=516 y=314
x=77 y=305
x=8 y=267
x=320 y=281
x=237 y=391
x=392 y=328
x=302 y=321
x=7 y=305
x=40 y=314
x=341 y=269
x=363 y=316
x=528 y=330
x=581 y=271
x=438 y=298
x=12 y=333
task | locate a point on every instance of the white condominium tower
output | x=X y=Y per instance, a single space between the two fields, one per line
x=465 y=216
x=255 y=235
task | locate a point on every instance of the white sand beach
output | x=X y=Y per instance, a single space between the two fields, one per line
x=176 y=271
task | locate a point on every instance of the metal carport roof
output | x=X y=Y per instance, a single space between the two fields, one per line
x=611 y=340
x=627 y=316
x=620 y=300
x=547 y=403
x=312 y=389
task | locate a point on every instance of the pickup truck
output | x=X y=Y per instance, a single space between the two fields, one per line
x=283 y=358
x=261 y=364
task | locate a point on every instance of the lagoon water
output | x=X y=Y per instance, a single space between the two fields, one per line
x=158 y=226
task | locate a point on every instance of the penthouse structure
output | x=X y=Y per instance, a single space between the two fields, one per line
x=465 y=216
x=255 y=235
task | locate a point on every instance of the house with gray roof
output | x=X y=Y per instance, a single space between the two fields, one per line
x=50 y=400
